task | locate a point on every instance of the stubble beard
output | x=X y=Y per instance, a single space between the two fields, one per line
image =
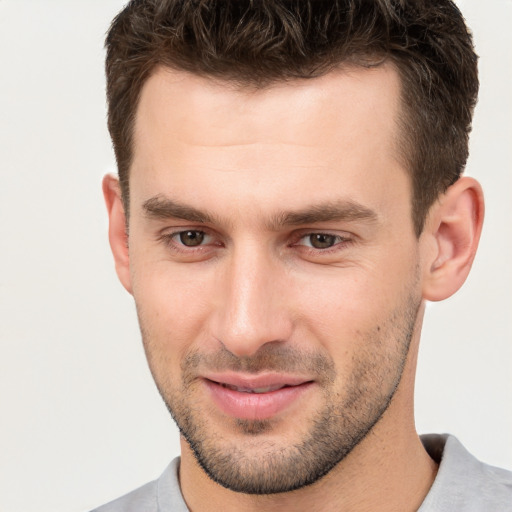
x=251 y=462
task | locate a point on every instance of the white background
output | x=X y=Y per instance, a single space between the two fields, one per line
x=80 y=419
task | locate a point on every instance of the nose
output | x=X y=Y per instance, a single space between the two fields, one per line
x=251 y=306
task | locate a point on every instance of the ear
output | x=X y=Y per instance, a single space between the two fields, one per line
x=453 y=230
x=117 y=234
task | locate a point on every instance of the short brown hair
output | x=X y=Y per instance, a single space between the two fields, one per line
x=257 y=42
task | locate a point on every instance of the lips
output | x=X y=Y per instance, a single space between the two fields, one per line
x=255 y=397
x=266 y=389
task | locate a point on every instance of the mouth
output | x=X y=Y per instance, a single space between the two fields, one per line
x=266 y=389
x=256 y=397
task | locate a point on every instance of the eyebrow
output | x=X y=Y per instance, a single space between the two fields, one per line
x=332 y=211
x=160 y=207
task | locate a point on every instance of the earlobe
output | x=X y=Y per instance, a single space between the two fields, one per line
x=117 y=234
x=454 y=226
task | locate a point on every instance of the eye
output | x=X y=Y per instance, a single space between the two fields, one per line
x=321 y=240
x=191 y=238
x=190 y=245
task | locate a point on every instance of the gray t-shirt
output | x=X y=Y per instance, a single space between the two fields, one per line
x=463 y=484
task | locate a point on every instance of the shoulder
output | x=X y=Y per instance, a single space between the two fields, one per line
x=463 y=482
x=162 y=494
x=143 y=498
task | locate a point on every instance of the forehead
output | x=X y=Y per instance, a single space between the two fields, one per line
x=326 y=136
x=201 y=110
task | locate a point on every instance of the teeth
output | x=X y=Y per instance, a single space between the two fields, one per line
x=253 y=390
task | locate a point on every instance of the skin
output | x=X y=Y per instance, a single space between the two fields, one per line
x=254 y=296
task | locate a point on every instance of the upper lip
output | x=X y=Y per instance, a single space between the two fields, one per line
x=256 y=381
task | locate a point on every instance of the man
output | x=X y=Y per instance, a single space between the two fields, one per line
x=289 y=196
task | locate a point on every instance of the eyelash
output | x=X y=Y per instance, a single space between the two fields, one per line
x=171 y=243
x=169 y=240
x=338 y=241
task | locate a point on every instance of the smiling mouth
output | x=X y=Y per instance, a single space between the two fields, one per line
x=246 y=398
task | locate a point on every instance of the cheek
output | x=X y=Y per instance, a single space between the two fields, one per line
x=351 y=307
x=172 y=306
x=344 y=297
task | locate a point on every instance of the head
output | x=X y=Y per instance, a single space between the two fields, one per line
x=289 y=177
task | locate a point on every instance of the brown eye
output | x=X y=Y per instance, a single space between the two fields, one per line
x=322 y=240
x=191 y=238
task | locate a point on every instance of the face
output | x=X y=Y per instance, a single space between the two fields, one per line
x=274 y=267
